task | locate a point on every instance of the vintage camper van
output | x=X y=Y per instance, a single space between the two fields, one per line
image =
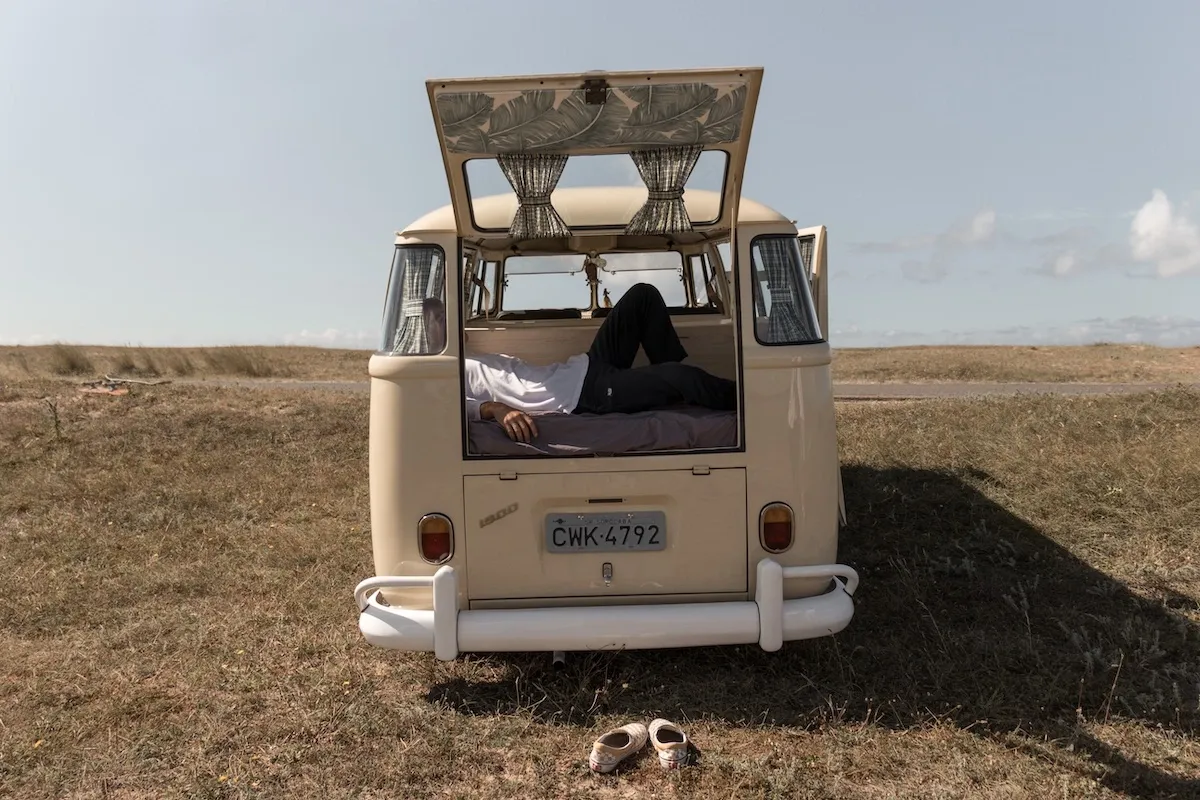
x=666 y=527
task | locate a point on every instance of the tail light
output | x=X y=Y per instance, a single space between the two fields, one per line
x=775 y=527
x=436 y=536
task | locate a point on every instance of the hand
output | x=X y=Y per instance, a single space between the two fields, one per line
x=517 y=424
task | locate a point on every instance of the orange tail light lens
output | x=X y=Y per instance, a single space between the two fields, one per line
x=775 y=528
x=436 y=536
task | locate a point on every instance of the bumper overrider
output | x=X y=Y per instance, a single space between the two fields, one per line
x=447 y=631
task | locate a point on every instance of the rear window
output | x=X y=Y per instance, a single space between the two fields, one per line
x=484 y=178
x=783 y=306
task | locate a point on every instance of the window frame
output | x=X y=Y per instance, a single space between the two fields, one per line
x=726 y=152
x=803 y=290
x=394 y=300
x=679 y=270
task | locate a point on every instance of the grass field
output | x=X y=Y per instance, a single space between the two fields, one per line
x=1095 y=363
x=177 y=619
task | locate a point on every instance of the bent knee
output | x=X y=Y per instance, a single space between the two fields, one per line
x=643 y=290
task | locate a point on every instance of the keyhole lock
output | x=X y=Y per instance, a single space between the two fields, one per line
x=606 y=573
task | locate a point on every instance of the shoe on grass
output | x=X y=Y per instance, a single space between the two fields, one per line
x=671 y=743
x=615 y=746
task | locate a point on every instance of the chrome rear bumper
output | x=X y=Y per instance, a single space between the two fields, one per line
x=447 y=631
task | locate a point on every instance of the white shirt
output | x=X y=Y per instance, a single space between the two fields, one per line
x=527 y=387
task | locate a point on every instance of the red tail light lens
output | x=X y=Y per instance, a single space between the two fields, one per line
x=436 y=536
x=775 y=527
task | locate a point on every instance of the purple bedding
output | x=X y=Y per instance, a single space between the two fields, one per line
x=682 y=428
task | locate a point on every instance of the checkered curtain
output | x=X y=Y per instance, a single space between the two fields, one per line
x=424 y=275
x=665 y=172
x=806 y=251
x=533 y=177
x=784 y=323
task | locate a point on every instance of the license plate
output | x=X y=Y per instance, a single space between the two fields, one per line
x=606 y=533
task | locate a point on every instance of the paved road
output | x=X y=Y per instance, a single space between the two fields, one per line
x=841 y=391
x=896 y=391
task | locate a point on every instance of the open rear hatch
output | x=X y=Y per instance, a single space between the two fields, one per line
x=607 y=534
x=532 y=125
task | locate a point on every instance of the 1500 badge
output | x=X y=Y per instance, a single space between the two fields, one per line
x=497 y=515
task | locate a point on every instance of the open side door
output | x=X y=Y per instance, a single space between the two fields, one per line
x=813 y=249
x=531 y=125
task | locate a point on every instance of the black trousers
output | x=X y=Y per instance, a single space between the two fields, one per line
x=614 y=386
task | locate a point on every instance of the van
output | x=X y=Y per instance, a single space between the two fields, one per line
x=673 y=527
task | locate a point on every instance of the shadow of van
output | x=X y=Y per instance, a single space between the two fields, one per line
x=966 y=613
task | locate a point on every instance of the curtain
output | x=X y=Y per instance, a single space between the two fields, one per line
x=533 y=177
x=806 y=252
x=784 y=323
x=665 y=172
x=423 y=276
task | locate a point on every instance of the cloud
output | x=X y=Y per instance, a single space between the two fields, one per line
x=1165 y=238
x=978 y=229
x=332 y=337
x=1162 y=243
x=948 y=246
x=904 y=245
x=1081 y=259
x=1068 y=237
x=1067 y=263
x=925 y=271
x=1060 y=215
x=1161 y=331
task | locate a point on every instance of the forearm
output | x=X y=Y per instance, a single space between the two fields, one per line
x=484 y=409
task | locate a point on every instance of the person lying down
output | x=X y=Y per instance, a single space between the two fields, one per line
x=601 y=381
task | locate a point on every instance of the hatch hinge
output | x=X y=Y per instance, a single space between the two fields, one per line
x=595 y=91
x=700 y=470
x=510 y=475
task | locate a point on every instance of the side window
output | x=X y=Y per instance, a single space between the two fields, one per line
x=783 y=307
x=479 y=278
x=694 y=280
x=468 y=273
x=414 y=315
x=706 y=291
x=542 y=282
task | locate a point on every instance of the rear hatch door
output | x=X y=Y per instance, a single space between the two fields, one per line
x=591 y=114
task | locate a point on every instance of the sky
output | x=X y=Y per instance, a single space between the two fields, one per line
x=203 y=172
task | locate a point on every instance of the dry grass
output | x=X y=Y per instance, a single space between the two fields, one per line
x=1102 y=363
x=177 y=619
x=66 y=360
x=305 y=363
x=1099 y=363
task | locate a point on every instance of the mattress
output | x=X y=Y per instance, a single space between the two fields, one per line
x=677 y=428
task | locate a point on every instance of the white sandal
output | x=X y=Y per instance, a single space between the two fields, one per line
x=671 y=743
x=615 y=746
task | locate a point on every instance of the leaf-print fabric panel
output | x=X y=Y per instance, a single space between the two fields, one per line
x=549 y=120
